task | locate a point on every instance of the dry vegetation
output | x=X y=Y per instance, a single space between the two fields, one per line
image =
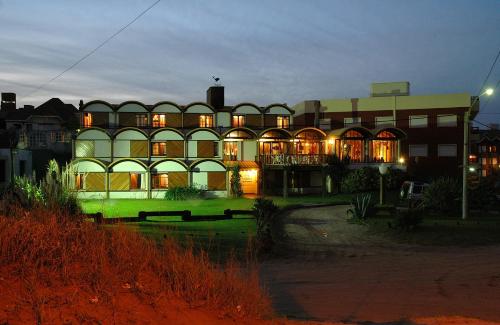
x=66 y=271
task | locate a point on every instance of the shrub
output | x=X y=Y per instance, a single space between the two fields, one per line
x=361 y=208
x=408 y=220
x=53 y=191
x=269 y=225
x=361 y=180
x=180 y=193
x=483 y=196
x=443 y=195
x=236 y=182
x=394 y=178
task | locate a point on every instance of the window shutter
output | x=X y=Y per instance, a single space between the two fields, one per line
x=173 y=120
x=418 y=150
x=175 y=149
x=119 y=181
x=94 y=182
x=138 y=148
x=216 y=181
x=205 y=149
x=84 y=148
x=177 y=179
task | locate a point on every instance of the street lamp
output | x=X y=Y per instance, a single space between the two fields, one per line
x=382 y=168
x=465 y=167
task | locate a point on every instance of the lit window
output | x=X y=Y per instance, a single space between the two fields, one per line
x=160 y=181
x=230 y=150
x=206 y=121
x=447 y=150
x=238 y=121
x=135 y=181
x=159 y=148
x=447 y=120
x=418 y=121
x=79 y=180
x=87 y=120
x=283 y=122
x=351 y=121
x=141 y=120
x=159 y=121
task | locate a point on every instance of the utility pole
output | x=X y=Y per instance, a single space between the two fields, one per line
x=465 y=208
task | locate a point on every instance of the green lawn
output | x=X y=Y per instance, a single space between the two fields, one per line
x=219 y=238
x=131 y=207
x=442 y=231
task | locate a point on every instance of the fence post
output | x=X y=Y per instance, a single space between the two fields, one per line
x=142 y=216
x=98 y=218
x=228 y=213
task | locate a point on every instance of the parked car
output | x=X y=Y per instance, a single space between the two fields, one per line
x=412 y=191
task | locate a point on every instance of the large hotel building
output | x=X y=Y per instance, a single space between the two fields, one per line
x=135 y=150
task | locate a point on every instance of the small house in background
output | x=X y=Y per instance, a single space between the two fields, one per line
x=46 y=131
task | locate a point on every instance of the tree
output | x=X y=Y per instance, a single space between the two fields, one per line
x=236 y=182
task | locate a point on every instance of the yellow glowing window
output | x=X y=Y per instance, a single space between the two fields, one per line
x=160 y=181
x=135 y=181
x=283 y=122
x=87 y=120
x=238 y=121
x=79 y=179
x=206 y=121
x=159 y=121
x=159 y=148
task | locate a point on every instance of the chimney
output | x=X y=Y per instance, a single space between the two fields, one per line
x=215 y=97
x=8 y=102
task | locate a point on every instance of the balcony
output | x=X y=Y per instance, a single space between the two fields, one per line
x=294 y=159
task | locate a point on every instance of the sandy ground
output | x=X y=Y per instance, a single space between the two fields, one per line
x=354 y=277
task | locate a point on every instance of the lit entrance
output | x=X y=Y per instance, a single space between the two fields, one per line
x=249 y=175
x=248 y=179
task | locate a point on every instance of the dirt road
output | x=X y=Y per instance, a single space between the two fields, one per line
x=352 y=279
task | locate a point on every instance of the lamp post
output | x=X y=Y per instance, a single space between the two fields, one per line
x=465 y=164
x=382 y=168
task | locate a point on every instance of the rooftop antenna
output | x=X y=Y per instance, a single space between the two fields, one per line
x=216 y=79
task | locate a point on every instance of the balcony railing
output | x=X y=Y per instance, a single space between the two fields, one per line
x=291 y=159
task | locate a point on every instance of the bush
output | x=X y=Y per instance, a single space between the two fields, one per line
x=361 y=208
x=408 y=220
x=180 y=193
x=236 y=182
x=443 y=195
x=361 y=180
x=394 y=178
x=269 y=225
x=483 y=196
x=53 y=191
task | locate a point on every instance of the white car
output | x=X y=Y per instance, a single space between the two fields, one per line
x=413 y=191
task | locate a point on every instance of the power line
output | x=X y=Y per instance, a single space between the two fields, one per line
x=83 y=58
x=489 y=72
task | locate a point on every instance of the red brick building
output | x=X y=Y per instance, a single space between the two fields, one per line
x=423 y=133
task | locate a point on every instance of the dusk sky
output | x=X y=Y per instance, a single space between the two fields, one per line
x=263 y=51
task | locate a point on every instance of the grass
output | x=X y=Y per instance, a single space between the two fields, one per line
x=131 y=207
x=438 y=230
x=219 y=238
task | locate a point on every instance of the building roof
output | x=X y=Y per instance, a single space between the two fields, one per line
x=52 y=107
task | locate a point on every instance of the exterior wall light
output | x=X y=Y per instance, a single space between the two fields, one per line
x=401 y=160
x=472 y=169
